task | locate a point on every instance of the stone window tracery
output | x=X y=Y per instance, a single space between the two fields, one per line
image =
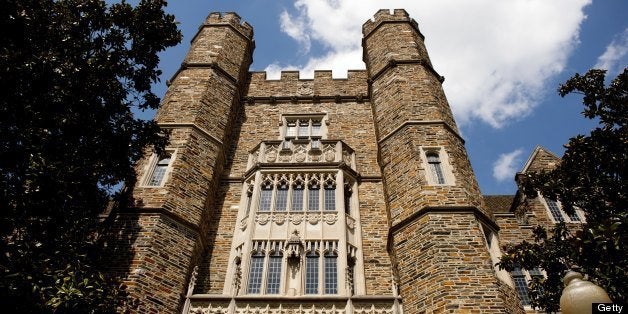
x=277 y=191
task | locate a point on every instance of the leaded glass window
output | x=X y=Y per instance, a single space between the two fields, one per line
x=282 y=197
x=554 y=210
x=273 y=278
x=312 y=197
x=159 y=171
x=265 y=198
x=297 y=197
x=311 y=273
x=255 y=273
x=331 y=273
x=521 y=285
x=330 y=197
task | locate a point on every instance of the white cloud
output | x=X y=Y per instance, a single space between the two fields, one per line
x=496 y=55
x=615 y=56
x=504 y=168
x=296 y=29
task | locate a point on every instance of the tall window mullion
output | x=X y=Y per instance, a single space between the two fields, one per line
x=331 y=273
x=330 y=197
x=265 y=200
x=311 y=273
x=281 y=199
x=313 y=197
x=297 y=197
x=255 y=273
x=273 y=278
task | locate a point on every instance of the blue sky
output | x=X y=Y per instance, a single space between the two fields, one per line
x=502 y=60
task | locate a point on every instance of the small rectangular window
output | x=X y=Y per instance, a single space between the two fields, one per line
x=316 y=128
x=304 y=129
x=291 y=130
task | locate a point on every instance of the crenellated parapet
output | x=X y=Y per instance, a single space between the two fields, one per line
x=231 y=19
x=384 y=16
x=291 y=88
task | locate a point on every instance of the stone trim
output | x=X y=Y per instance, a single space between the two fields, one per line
x=371 y=178
x=201 y=297
x=162 y=212
x=423 y=122
x=201 y=65
x=393 y=63
x=410 y=21
x=239 y=32
x=439 y=209
x=303 y=168
x=192 y=126
x=251 y=100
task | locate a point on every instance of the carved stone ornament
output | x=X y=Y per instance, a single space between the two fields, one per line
x=262 y=219
x=296 y=219
x=350 y=222
x=313 y=219
x=279 y=219
x=243 y=223
x=299 y=157
x=330 y=219
x=305 y=89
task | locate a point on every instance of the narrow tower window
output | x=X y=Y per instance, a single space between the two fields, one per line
x=159 y=171
x=436 y=168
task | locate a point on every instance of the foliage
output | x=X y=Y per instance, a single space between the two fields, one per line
x=71 y=71
x=592 y=176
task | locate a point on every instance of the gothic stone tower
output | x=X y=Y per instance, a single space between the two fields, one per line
x=310 y=195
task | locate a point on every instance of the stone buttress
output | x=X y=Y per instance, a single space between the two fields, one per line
x=436 y=211
x=165 y=232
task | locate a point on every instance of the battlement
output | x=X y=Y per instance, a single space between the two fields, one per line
x=384 y=16
x=323 y=85
x=229 y=18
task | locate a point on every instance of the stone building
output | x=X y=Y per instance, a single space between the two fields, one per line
x=315 y=195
